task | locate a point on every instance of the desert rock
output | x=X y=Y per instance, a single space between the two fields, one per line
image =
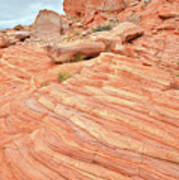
x=127 y=31
x=100 y=121
x=75 y=51
x=3 y=41
x=22 y=35
x=18 y=27
x=168 y=11
x=81 y=7
x=48 y=25
x=116 y=116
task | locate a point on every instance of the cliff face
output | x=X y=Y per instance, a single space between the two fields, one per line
x=81 y=7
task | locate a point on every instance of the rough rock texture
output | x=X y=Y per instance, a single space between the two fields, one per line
x=48 y=25
x=160 y=42
x=97 y=125
x=94 y=19
x=14 y=36
x=132 y=2
x=3 y=41
x=82 y=7
x=168 y=11
x=75 y=51
x=127 y=31
x=117 y=118
x=122 y=33
x=19 y=27
x=22 y=35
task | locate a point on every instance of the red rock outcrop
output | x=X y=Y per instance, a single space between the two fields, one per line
x=75 y=51
x=94 y=19
x=22 y=35
x=19 y=27
x=3 y=41
x=9 y=37
x=48 y=25
x=159 y=45
x=82 y=7
x=116 y=119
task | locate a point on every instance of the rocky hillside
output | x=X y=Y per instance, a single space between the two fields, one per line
x=92 y=96
x=82 y=7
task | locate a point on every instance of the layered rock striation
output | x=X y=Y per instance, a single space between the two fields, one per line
x=82 y=7
x=115 y=118
x=118 y=119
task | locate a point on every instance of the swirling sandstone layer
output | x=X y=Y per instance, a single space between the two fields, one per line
x=117 y=118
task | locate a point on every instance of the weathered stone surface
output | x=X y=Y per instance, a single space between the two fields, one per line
x=132 y=2
x=19 y=27
x=96 y=125
x=75 y=51
x=124 y=32
x=115 y=39
x=118 y=48
x=116 y=119
x=81 y=7
x=22 y=35
x=108 y=38
x=168 y=11
x=3 y=41
x=48 y=24
x=159 y=44
x=127 y=31
x=94 y=19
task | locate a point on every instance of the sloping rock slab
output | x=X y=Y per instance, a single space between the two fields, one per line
x=117 y=120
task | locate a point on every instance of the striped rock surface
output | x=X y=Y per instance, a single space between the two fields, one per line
x=118 y=119
x=160 y=42
x=81 y=7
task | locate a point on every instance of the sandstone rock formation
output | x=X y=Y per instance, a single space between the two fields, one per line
x=81 y=7
x=75 y=51
x=48 y=25
x=168 y=11
x=116 y=118
x=94 y=19
x=22 y=35
x=122 y=33
x=132 y=2
x=3 y=41
x=93 y=46
x=127 y=31
x=97 y=125
x=18 y=27
x=159 y=44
